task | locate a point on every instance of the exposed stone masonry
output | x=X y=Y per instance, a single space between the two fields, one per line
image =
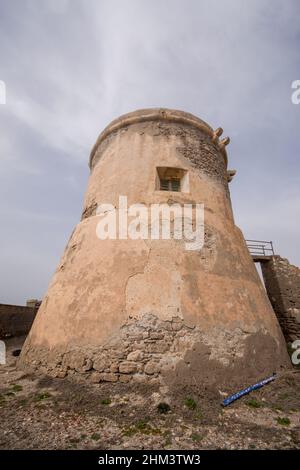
x=282 y=281
x=138 y=351
x=147 y=349
x=196 y=146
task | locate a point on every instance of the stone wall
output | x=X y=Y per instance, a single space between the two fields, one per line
x=282 y=281
x=149 y=350
x=15 y=320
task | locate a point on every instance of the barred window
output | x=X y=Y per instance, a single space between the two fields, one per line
x=172 y=179
x=172 y=184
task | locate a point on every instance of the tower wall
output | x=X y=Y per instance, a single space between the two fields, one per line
x=150 y=310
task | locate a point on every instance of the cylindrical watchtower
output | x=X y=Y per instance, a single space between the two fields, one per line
x=150 y=310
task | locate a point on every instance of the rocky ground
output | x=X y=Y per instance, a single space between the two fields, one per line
x=38 y=412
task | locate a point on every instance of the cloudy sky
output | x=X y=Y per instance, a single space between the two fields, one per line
x=71 y=66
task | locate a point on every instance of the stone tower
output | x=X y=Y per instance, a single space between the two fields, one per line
x=151 y=310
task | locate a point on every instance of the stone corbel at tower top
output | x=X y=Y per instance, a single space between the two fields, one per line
x=230 y=175
x=216 y=134
x=215 y=138
x=223 y=143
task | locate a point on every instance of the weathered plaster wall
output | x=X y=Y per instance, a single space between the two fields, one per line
x=136 y=306
x=15 y=320
x=151 y=350
x=282 y=281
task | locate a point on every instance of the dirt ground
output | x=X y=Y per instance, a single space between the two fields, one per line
x=38 y=412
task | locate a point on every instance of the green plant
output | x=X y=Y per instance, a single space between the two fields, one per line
x=190 y=403
x=253 y=403
x=168 y=437
x=129 y=431
x=105 y=401
x=168 y=442
x=283 y=396
x=198 y=414
x=17 y=388
x=42 y=396
x=141 y=426
x=163 y=408
x=283 y=421
x=196 y=437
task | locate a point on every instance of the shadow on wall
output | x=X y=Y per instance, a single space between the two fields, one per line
x=16 y=320
x=282 y=283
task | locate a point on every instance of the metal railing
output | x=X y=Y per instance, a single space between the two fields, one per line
x=260 y=248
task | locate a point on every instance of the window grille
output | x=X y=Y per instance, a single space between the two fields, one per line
x=172 y=184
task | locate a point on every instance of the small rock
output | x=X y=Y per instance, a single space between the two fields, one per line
x=159 y=347
x=100 y=364
x=95 y=377
x=127 y=367
x=176 y=326
x=107 y=377
x=114 y=367
x=125 y=378
x=61 y=374
x=135 y=356
x=156 y=335
x=88 y=365
x=151 y=368
x=139 y=378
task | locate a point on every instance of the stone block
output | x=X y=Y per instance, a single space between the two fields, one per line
x=127 y=367
x=151 y=368
x=108 y=377
x=135 y=356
